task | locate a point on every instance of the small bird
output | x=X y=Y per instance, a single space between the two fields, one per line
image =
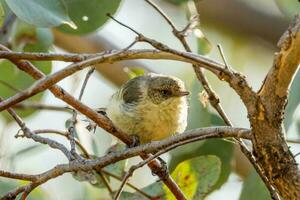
x=151 y=107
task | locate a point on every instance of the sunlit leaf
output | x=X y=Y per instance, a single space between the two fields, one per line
x=289 y=7
x=204 y=46
x=134 y=72
x=254 y=188
x=89 y=15
x=196 y=176
x=46 y=13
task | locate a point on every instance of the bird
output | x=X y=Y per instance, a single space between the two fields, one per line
x=150 y=107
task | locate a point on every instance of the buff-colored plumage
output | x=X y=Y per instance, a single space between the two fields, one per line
x=151 y=107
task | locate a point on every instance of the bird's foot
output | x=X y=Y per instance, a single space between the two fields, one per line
x=163 y=171
x=135 y=141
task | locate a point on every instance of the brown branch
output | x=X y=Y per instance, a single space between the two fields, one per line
x=40 y=106
x=70 y=57
x=285 y=65
x=18 y=176
x=271 y=150
x=170 y=143
x=50 y=80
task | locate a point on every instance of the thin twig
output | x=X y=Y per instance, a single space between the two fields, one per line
x=89 y=73
x=18 y=176
x=41 y=106
x=72 y=128
x=64 y=134
x=29 y=134
x=295 y=141
x=222 y=55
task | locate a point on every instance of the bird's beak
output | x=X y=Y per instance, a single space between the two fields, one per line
x=183 y=93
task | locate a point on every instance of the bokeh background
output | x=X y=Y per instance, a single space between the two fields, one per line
x=248 y=31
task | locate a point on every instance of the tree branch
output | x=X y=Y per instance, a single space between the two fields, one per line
x=169 y=143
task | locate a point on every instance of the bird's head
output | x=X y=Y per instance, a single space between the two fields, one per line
x=155 y=87
x=162 y=88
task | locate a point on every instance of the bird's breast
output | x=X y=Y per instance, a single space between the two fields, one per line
x=150 y=122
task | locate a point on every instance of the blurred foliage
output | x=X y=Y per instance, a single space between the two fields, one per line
x=289 y=7
x=195 y=177
x=134 y=71
x=46 y=13
x=28 y=38
x=36 y=194
x=293 y=102
x=254 y=188
x=19 y=80
x=2 y=14
x=177 y=2
x=89 y=15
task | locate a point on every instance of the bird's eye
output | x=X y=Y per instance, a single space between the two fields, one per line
x=165 y=92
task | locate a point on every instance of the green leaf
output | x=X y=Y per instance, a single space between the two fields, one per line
x=204 y=46
x=224 y=151
x=134 y=72
x=20 y=80
x=2 y=14
x=89 y=15
x=254 y=188
x=46 y=13
x=289 y=7
x=177 y=2
x=195 y=177
x=293 y=101
x=25 y=37
x=6 y=186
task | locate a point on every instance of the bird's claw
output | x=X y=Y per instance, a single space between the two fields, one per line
x=163 y=171
x=135 y=141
